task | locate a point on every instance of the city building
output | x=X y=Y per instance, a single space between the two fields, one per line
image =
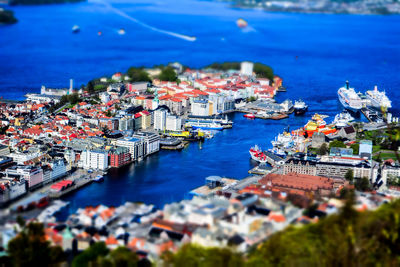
x=160 y=119
x=135 y=146
x=33 y=175
x=119 y=156
x=94 y=159
x=246 y=68
x=173 y=123
x=150 y=140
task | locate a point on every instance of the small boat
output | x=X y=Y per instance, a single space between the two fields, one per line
x=300 y=107
x=99 y=178
x=208 y=126
x=121 y=31
x=241 y=23
x=343 y=119
x=257 y=154
x=99 y=33
x=249 y=116
x=76 y=29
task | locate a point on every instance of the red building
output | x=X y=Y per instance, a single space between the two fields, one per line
x=119 y=156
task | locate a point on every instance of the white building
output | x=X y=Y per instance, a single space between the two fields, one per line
x=33 y=175
x=246 y=68
x=160 y=118
x=136 y=147
x=200 y=108
x=151 y=142
x=59 y=169
x=173 y=123
x=94 y=159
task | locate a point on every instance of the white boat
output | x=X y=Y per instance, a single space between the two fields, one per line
x=378 y=99
x=282 y=140
x=342 y=119
x=76 y=29
x=99 y=178
x=257 y=154
x=349 y=98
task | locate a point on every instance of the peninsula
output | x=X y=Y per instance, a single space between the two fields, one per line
x=384 y=7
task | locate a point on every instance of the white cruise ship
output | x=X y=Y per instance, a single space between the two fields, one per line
x=349 y=98
x=378 y=99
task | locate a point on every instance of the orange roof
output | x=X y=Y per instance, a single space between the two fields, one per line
x=111 y=240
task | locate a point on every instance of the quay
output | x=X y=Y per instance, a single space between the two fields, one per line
x=213 y=184
x=261 y=169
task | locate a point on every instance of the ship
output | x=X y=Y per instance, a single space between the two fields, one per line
x=249 y=116
x=378 y=99
x=207 y=126
x=98 y=178
x=342 y=119
x=76 y=29
x=257 y=154
x=300 y=107
x=349 y=98
x=241 y=23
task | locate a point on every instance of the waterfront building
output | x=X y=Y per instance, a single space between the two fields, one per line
x=150 y=140
x=334 y=167
x=119 y=156
x=135 y=146
x=173 y=123
x=94 y=159
x=200 y=108
x=4 y=150
x=10 y=190
x=58 y=168
x=33 y=175
x=302 y=184
x=160 y=118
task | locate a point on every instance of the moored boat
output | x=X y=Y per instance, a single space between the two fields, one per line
x=99 y=178
x=349 y=98
x=257 y=154
x=300 y=107
x=249 y=116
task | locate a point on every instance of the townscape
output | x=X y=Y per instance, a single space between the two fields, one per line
x=63 y=139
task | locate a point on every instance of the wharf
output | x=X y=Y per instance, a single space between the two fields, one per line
x=272 y=158
x=205 y=190
x=179 y=146
x=260 y=170
x=78 y=184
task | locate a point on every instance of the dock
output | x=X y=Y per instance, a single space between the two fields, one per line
x=261 y=169
x=206 y=190
x=78 y=184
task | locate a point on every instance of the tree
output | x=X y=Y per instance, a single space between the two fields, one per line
x=263 y=71
x=30 y=248
x=349 y=176
x=91 y=255
x=356 y=148
x=138 y=75
x=363 y=184
x=167 y=74
x=323 y=149
x=337 y=143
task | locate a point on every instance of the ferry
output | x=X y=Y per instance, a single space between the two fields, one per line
x=99 y=178
x=378 y=99
x=349 y=98
x=257 y=154
x=342 y=119
x=300 y=107
x=241 y=23
x=249 y=116
x=76 y=29
x=207 y=126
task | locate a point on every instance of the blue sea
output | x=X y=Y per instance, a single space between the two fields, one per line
x=314 y=54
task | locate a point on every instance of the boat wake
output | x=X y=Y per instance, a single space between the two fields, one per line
x=125 y=15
